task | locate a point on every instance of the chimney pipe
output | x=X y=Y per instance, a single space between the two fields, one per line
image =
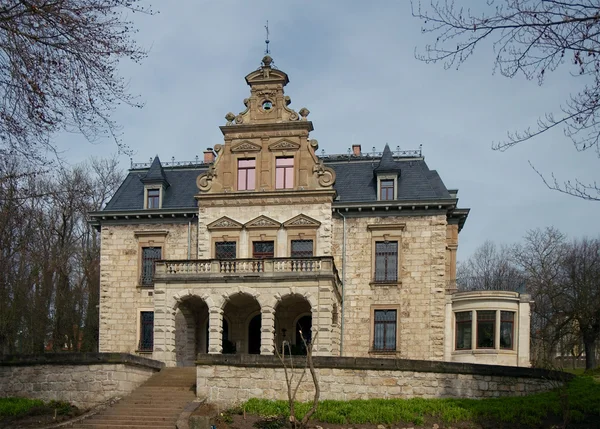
x=209 y=155
x=356 y=150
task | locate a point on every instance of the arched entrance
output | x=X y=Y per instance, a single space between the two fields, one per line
x=243 y=314
x=191 y=320
x=292 y=314
x=254 y=335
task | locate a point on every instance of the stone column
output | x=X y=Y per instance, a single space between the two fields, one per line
x=267 y=331
x=322 y=317
x=523 y=330
x=215 y=332
x=164 y=328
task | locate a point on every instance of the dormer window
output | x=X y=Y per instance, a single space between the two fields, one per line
x=387 y=187
x=386 y=190
x=153 y=199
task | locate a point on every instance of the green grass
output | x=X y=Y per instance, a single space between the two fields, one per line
x=19 y=407
x=580 y=399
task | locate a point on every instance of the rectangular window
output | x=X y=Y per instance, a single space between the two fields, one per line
x=386 y=261
x=284 y=173
x=246 y=174
x=384 y=330
x=464 y=328
x=386 y=190
x=302 y=249
x=225 y=250
x=263 y=249
x=153 y=198
x=486 y=329
x=146 y=331
x=149 y=255
x=507 y=329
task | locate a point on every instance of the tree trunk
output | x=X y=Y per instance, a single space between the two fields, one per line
x=590 y=352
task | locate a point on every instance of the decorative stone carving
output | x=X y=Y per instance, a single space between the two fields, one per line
x=287 y=100
x=246 y=146
x=262 y=222
x=304 y=112
x=224 y=223
x=326 y=175
x=284 y=145
x=230 y=117
x=301 y=221
x=314 y=144
x=204 y=181
x=239 y=119
x=218 y=148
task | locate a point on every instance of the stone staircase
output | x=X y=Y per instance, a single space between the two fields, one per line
x=155 y=404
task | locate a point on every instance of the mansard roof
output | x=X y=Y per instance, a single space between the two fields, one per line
x=356 y=181
x=155 y=174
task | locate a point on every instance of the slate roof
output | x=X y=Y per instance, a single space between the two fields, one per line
x=356 y=181
x=130 y=195
x=156 y=173
x=387 y=164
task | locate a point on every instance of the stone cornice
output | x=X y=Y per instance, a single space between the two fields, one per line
x=267 y=127
x=96 y=219
x=242 y=199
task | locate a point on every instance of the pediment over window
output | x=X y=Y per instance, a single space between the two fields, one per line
x=246 y=146
x=224 y=223
x=301 y=221
x=283 y=145
x=262 y=222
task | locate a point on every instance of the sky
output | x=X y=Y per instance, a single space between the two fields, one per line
x=353 y=65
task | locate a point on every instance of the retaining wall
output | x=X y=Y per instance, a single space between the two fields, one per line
x=84 y=379
x=230 y=379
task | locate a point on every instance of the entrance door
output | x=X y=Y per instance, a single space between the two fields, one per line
x=254 y=335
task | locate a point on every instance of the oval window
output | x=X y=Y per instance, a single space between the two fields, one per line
x=267 y=105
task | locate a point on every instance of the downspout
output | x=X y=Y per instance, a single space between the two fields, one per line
x=190 y=239
x=343 y=283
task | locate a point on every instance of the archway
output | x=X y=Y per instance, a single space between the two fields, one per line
x=241 y=310
x=292 y=314
x=191 y=320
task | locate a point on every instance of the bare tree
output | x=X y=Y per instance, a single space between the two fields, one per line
x=490 y=268
x=59 y=70
x=532 y=38
x=292 y=388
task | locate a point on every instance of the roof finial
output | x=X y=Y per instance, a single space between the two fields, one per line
x=267 y=51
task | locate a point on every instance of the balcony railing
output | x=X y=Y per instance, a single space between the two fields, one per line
x=245 y=266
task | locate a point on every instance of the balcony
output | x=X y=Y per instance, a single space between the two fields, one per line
x=224 y=270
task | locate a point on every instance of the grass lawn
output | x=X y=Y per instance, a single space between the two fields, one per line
x=578 y=402
x=33 y=412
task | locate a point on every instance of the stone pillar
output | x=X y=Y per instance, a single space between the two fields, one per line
x=215 y=333
x=448 y=330
x=322 y=317
x=267 y=331
x=523 y=330
x=164 y=328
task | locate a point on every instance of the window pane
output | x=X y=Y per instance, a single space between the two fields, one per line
x=251 y=182
x=246 y=174
x=284 y=173
x=463 y=330
x=149 y=255
x=225 y=250
x=386 y=190
x=302 y=248
x=263 y=249
x=507 y=329
x=289 y=178
x=146 y=331
x=242 y=180
x=279 y=178
x=384 y=330
x=386 y=261
x=486 y=321
x=247 y=163
x=285 y=162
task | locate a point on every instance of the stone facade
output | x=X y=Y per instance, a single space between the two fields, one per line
x=84 y=380
x=266 y=239
x=232 y=382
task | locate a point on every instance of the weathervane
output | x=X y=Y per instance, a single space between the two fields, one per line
x=267 y=51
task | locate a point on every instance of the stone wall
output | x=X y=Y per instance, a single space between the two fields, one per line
x=419 y=295
x=229 y=380
x=121 y=298
x=83 y=379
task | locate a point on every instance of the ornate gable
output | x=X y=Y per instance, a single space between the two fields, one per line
x=246 y=146
x=262 y=222
x=301 y=221
x=283 y=145
x=224 y=223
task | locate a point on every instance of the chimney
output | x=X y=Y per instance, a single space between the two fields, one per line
x=209 y=155
x=356 y=150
